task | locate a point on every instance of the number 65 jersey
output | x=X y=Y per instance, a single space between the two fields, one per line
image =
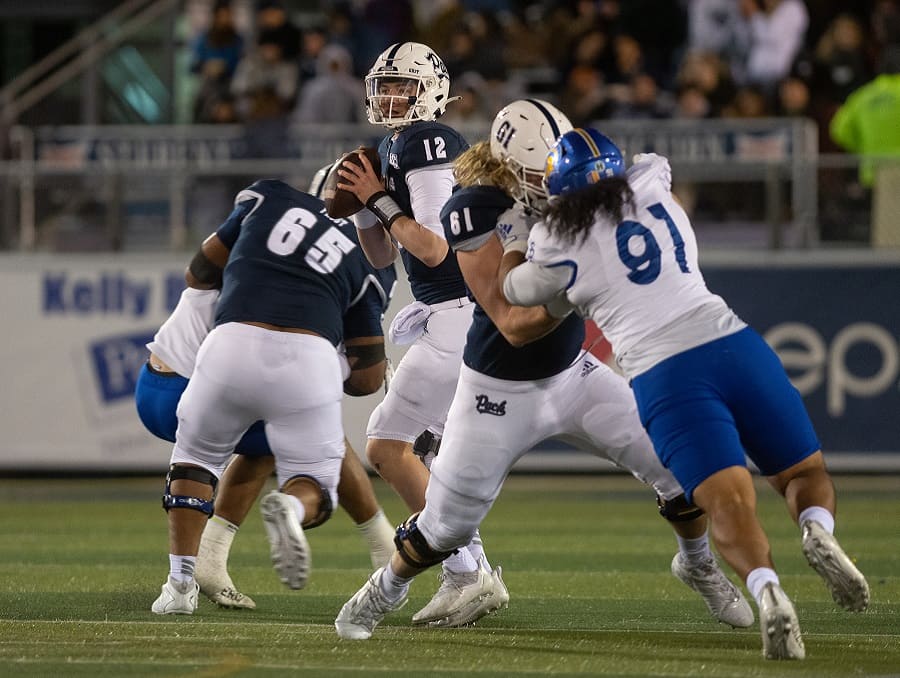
x=291 y=265
x=639 y=280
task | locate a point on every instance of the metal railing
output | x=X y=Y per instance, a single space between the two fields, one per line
x=78 y=54
x=163 y=165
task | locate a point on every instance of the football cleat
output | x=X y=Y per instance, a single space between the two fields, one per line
x=215 y=583
x=288 y=547
x=725 y=601
x=177 y=598
x=779 y=626
x=500 y=599
x=364 y=611
x=462 y=598
x=847 y=584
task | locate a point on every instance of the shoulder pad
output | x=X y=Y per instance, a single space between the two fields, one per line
x=470 y=215
x=426 y=144
x=650 y=167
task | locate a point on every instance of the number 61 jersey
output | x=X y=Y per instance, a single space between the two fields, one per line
x=291 y=265
x=637 y=278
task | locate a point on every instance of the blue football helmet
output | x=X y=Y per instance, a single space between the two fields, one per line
x=581 y=157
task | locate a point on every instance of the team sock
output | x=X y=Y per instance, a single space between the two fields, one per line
x=758 y=578
x=820 y=514
x=181 y=568
x=379 y=535
x=393 y=586
x=694 y=551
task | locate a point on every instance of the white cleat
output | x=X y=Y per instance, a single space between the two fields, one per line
x=847 y=584
x=177 y=598
x=498 y=601
x=779 y=626
x=725 y=601
x=364 y=611
x=216 y=584
x=462 y=598
x=287 y=542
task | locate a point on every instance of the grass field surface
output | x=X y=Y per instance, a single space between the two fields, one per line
x=586 y=560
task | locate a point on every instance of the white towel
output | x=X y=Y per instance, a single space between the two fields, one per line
x=409 y=323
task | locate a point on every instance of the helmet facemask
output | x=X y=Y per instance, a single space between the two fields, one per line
x=408 y=83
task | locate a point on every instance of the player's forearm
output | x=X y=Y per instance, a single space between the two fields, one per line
x=423 y=244
x=377 y=245
x=523 y=325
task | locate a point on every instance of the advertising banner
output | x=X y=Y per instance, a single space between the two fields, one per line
x=75 y=329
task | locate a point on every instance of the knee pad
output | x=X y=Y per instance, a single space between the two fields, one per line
x=413 y=547
x=426 y=445
x=326 y=507
x=200 y=475
x=678 y=509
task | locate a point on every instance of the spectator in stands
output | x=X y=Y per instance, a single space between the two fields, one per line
x=470 y=108
x=315 y=39
x=885 y=24
x=641 y=100
x=333 y=96
x=840 y=61
x=748 y=102
x=273 y=20
x=773 y=33
x=867 y=123
x=691 y=103
x=214 y=57
x=709 y=74
x=712 y=25
x=583 y=97
x=265 y=83
x=794 y=99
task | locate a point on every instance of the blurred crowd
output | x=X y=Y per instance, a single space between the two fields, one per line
x=597 y=59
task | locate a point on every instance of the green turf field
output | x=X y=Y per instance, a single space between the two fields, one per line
x=586 y=561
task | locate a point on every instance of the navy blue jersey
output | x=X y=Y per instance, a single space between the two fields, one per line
x=291 y=265
x=423 y=144
x=364 y=317
x=469 y=217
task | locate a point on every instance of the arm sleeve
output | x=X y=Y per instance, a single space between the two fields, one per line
x=531 y=284
x=429 y=188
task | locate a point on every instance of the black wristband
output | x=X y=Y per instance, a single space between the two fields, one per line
x=385 y=208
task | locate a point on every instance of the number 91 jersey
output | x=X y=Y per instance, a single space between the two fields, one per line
x=290 y=264
x=638 y=276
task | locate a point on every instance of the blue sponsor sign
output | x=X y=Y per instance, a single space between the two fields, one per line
x=117 y=361
x=836 y=330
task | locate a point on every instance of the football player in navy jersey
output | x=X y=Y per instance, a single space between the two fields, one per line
x=163 y=379
x=407 y=90
x=292 y=281
x=524 y=379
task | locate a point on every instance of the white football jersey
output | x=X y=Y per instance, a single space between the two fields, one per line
x=639 y=280
x=179 y=338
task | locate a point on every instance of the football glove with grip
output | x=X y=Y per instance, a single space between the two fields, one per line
x=513 y=227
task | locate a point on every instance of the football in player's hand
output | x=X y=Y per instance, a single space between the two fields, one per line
x=338 y=202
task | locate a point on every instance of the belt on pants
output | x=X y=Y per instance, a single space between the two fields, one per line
x=452 y=303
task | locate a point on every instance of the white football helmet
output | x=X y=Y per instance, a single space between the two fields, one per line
x=407 y=83
x=522 y=135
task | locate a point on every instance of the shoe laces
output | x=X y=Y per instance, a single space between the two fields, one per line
x=457 y=580
x=709 y=577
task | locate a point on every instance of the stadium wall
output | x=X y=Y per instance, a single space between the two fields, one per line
x=76 y=326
